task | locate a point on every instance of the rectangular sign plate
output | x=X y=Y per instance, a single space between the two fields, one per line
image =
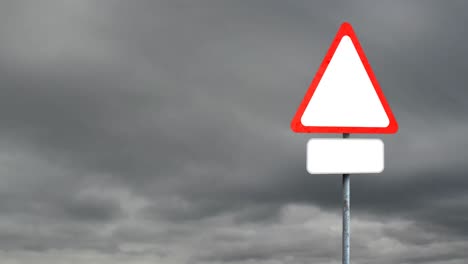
x=344 y=155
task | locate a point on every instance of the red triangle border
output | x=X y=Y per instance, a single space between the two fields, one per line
x=296 y=124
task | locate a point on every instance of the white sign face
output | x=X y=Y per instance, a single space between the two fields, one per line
x=345 y=95
x=340 y=156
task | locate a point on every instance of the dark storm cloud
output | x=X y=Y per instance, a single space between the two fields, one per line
x=177 y=113
x=92 y=209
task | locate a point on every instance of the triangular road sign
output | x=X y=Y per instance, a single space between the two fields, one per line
x=344 y=96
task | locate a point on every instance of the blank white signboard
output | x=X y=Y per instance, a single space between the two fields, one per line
x=340 y=156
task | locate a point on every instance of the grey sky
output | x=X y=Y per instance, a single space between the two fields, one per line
x=158 y=132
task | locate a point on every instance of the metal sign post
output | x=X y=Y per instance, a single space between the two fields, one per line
x=346 y=214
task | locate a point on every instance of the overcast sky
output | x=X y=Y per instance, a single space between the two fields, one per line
x=159 y=132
